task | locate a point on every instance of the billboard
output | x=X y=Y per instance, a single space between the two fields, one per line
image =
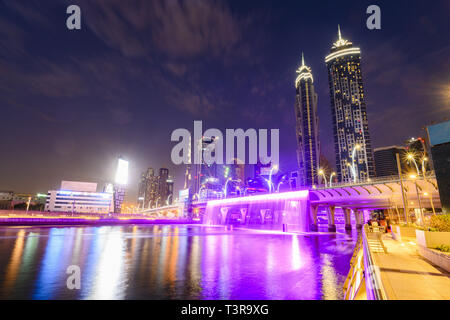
x=78 y=186
x=122 y=172
x=439 y=133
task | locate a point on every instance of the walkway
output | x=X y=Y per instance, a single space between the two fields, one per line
x=406 y=275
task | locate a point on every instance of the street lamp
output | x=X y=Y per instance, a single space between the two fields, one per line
x=414 y=177
x=283 y=180
x=431 y=201
x=356 y=147
x=275 y=167
x=322 y=173
x=410 y=158
x=424 y=159
x=352 y=170
x=226 y=185
x=331 y=176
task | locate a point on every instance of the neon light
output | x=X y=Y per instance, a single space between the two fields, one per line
x=341 y=53
x=263 y=197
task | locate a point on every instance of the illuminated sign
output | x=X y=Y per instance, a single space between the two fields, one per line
x=122 y=172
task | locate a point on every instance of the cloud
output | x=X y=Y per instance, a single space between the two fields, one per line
x=29 y=11
x=175 y=28
x=192 y=28
x=189 y=97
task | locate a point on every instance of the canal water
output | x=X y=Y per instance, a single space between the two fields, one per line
x=172 y=262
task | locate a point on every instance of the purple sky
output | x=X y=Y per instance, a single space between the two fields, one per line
x=73 y=101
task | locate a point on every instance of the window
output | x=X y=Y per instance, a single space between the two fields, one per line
x=350 y=141
x=341 y=137
x=340 y=114
x=357 y=120
x=348 y=116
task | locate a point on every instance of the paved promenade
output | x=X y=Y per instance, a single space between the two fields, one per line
x=406 y=275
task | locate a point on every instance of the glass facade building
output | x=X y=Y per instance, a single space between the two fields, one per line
x=307 y=127
x=354 y=156
x=386 y=160
x=78 y=202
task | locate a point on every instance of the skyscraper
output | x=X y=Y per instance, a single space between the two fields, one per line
x=354 y=157
x=203 y=171
x=163 y=188
x=307 y=126
x=386 y=161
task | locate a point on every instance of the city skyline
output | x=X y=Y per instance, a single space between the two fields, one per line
x=82 y=89
x=237 y=152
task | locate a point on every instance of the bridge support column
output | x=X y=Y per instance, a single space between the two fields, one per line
x=358 y=218
x=331 y=224
x=348 y=222
x=313 y=213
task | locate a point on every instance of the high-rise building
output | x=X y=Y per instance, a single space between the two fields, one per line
x=153 y=189
x=354 y=157
x=162 y=186
x=386 y=160
x=307 y=126
x=203 y=171
x=439 y=137
x=169 y=191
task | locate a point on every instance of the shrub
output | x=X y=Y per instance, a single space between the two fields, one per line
x=443 y=248
x=439 y=223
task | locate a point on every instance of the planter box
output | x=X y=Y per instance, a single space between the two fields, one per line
x=399 y=232
x=429 y=239
x=440 y=259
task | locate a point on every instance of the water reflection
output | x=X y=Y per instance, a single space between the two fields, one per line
x=171 y=262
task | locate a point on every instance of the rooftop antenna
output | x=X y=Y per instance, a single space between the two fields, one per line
x=339 y=32
x=303 y=60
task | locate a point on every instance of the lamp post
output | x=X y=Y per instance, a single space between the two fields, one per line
x=410 y=158
x=331 y=176
x=424 y=170
x=352 y=169
x=275 y=167
x=283 y=180
x=414 y=177
x=356 y=147
x=226 y=186
x=431 y=201
x=322 y=173
x=28 y=203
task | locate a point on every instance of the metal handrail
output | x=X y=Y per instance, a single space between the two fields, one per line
x=374 y=285
x=376 y=180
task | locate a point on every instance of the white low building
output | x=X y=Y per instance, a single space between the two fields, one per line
x=79 y=197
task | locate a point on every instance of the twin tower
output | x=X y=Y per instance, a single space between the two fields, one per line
x=354 y=157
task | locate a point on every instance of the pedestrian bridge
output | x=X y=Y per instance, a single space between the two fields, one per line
x=172 y=211
x=382 y=193
x=300 y=208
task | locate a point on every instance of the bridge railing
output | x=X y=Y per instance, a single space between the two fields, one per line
x=377 y=180
x=364 y=279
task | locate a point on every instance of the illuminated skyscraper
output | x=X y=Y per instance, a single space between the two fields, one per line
x=307 y=126
x=354 y=157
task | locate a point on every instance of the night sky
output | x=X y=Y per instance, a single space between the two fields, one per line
x=73 y=101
